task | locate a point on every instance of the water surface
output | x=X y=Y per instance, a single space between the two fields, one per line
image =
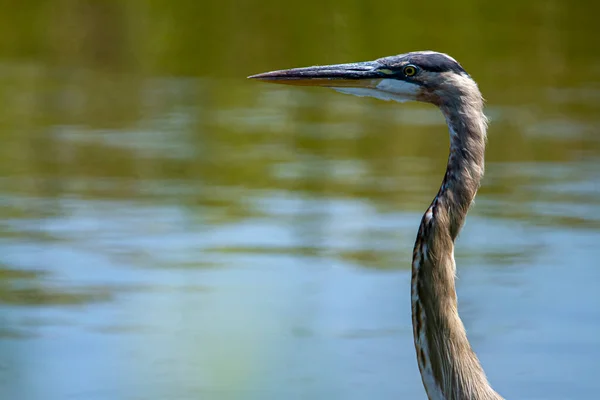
x=171 y=230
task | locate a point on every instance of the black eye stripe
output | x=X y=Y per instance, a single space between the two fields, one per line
x=424 y=61
x=436 y=63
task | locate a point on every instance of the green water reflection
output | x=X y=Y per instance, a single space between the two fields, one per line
x=154 y=201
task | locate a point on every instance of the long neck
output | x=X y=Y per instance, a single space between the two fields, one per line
x=449 y=368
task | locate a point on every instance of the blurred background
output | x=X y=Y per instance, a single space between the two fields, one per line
x=170 y=230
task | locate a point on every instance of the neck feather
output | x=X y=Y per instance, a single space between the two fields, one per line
x=449 y=367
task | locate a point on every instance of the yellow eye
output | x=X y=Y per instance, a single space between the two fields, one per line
x=409 y=70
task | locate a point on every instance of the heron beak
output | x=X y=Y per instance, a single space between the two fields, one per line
x=356 y=75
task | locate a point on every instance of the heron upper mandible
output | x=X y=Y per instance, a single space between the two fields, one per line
x=449 y=368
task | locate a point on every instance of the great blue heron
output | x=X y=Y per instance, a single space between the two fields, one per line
x=449 y=368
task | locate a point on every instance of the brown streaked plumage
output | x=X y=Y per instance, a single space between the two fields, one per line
x=449 y=367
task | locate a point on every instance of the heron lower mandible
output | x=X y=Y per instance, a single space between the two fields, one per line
x=449 y=367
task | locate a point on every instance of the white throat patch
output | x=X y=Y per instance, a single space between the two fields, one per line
x=387 y=89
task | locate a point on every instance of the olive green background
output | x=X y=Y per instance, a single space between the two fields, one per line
x=169 y=229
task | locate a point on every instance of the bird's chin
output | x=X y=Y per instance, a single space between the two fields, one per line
x=384 y=89
x=375 y=93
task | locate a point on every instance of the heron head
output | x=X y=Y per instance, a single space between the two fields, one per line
x=425 y=76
